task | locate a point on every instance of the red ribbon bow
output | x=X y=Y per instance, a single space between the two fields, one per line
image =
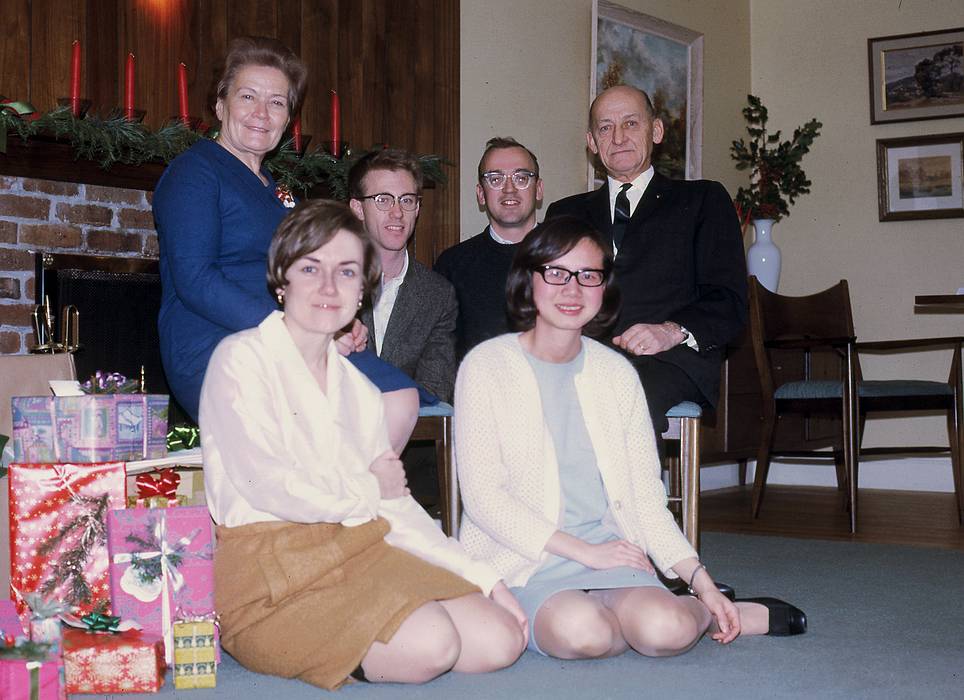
x=161 y=483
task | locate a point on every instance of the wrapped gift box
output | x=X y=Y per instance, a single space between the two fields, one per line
x=90 y=428
x=125 y=662
x=58 y=531
x=30 y=671
x=10 y=624
x=195 y=663
x=161 y=567
x=157 y=489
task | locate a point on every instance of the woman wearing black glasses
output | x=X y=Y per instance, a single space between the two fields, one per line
x=560 y=476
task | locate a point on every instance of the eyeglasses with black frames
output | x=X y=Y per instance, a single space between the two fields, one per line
x=559 y=276
x=496 y=179
x=385 y=201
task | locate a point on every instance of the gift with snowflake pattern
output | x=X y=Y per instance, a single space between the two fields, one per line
x=106 y=662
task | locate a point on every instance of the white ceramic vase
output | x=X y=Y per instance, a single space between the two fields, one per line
x=763 y=257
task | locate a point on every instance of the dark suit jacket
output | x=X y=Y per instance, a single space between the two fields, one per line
x=681 y=260
x=420 y=338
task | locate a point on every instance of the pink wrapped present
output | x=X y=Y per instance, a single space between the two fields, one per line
x=31 y=671
x=58 y=531
x=161 y=567
x=90 y=428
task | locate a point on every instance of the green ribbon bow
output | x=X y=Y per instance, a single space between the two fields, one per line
x=183 y=437
x=97 y=622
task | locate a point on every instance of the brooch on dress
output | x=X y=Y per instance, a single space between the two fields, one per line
x=285 y=197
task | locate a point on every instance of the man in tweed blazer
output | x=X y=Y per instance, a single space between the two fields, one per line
x=411 y=322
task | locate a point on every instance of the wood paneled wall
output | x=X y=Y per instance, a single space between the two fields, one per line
x=394 y=64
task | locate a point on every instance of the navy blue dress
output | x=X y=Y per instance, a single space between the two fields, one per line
x=215 y=219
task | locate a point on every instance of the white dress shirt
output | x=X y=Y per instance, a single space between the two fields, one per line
x=635 y=192
x=385 y=302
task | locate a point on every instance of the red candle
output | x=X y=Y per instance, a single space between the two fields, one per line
x=335 y=124
x=75 y=79
x=183 y=112
x=129 y=87
x=296 y=132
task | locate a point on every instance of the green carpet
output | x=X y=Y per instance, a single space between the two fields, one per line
x=885 y=622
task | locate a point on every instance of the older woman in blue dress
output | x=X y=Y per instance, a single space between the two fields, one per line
x=216 y=208
x=560 y=475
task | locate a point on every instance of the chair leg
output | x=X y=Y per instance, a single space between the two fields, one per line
x=689 y=459
x=741 y=469
x=851 y=422
x=955 y=430
x=450 y=504
x=763 y=463
x=843 y=488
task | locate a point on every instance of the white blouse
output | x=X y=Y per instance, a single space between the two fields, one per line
x=278 y=448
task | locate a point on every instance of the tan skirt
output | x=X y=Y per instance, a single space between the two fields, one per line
x=308 y=601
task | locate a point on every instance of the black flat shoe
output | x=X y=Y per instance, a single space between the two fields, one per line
x=721 y=587
x=785 y=620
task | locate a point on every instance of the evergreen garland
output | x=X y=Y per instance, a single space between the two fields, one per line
x=117 y=140
x=69 y=568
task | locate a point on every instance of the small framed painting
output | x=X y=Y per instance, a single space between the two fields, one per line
x=916 y=76
x=921 y=177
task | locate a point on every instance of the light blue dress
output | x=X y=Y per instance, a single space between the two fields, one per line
x=584 y=501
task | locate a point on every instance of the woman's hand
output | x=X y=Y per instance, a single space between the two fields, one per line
x=727 y=615
x=390 y=474
x=503 y=596
x=353 y=340
x=609 y=555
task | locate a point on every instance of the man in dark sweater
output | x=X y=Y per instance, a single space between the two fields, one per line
x=509 y=189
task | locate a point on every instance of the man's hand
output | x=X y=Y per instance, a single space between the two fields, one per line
x=649 y=338
x=390 y=474
x=353 y=340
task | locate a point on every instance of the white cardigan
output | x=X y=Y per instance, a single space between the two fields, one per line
x=507 y=466
x=278 y=448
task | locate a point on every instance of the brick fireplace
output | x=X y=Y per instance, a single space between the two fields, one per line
x=73 y=207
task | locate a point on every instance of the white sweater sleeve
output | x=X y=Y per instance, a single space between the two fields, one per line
x=487 y=490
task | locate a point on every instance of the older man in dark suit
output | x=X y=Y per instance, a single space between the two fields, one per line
x=411 y=323
x=679 y=256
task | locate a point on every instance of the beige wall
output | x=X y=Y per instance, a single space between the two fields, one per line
x=810 y=60
x=525 y=73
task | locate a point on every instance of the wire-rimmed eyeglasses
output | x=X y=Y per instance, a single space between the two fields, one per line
x=496 y=179
x=385 y=201
x=558 y=276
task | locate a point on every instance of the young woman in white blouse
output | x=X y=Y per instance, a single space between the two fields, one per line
x=560 y=476
x=325 y=566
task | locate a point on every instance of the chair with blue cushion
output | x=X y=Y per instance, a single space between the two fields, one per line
x=794 y=337
x=434 y=424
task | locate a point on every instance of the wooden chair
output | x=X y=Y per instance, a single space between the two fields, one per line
x=435 y=424
x=794 y=338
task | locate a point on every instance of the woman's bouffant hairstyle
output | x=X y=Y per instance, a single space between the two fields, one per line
x=264 y=51
x=307 y=228
x=547 y=242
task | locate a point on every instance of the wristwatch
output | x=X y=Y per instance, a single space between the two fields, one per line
x=682 y=329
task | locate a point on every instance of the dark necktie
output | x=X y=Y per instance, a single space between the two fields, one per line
x=620 y=215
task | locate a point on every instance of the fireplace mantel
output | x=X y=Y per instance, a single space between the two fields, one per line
x=46 y=158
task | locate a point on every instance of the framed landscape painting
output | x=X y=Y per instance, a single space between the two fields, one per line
x=666 y=61
x=916 y=76
x=921 y=177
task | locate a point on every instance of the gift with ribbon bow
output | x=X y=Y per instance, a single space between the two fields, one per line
x=58 y=531
x=161 y=560
x=105 y=654
x=44 y=624
x=157 y=490
x=91 y=428
x=31 y=671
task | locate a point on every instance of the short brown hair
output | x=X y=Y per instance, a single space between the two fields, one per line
x=264 y=51
x=307 y=228
x=549 y=241
x=505 y=142
x=384 y=159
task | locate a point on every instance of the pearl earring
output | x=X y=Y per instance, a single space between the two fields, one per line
x=280 y=296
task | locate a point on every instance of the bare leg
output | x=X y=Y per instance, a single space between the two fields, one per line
x=655 y=622
x=401 y=412
x=490 y=637
x=424 y=647
x=576 y=625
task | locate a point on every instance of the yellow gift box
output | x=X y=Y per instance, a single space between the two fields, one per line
x=194 y=655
